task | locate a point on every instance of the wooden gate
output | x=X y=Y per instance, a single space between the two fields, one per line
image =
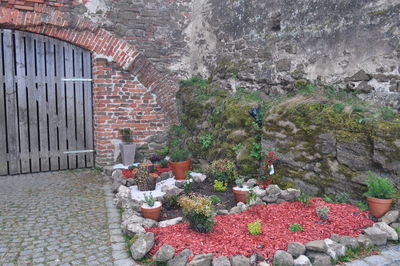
x=45 y=104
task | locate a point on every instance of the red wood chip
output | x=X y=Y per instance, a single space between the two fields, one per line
x=230 y=236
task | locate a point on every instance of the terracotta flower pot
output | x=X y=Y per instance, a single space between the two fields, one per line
x=151 y=212
x=240 y=195
x=180 y=168
x=378 y=207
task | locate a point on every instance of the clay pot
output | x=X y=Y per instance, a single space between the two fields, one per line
x=240 y=195
x=378 y=207
x=151 y=212
x=180 y=168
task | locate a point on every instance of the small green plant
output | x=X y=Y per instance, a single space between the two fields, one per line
x=322 y=212
x=149 y=200
x=220 y=185
x=362 y=204
x=380 y=187
x=256 y=151
x=164 y=152
x=338 y=107
x=239 y=182
x=197 y=210
x=215 y=199
x=355 y=253
x=388 y=113
x=296 y=227
x=179 y=155
x=131 y=167
x=305 y=199
x=327 y=199
x=163 y=163
x=222 y=170
x=126 y=135
x=342 y=198
x=206 y=141
x=237 y=147
x=188 y=185
x=397 y=229
x=171 y=202
x=255 y=228
x=251 y=197
x=359 y=109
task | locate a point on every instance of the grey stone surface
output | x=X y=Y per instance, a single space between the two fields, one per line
x=201 y=260
x=240 y=260
x=283 y=258
x=316 y=245
x=349 y=242
x=165 y=253
x=296 y=249
x=181 y=258
x=221 y=261
x=377 y=236
x=142 y=245
x=170 y=222
x=357 y=263
x=376 y=260
x=54 y=218
x=391 y=216
x=334 y=249
x=302 y=261
x=390 y=232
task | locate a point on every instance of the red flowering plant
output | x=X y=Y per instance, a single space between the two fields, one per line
x=267 y=169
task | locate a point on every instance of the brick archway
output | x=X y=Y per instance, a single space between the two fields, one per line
x=128 y=90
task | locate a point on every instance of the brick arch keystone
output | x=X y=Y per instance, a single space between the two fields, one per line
x=49 y=21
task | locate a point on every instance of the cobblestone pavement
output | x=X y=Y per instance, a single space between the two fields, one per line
x=54 y=218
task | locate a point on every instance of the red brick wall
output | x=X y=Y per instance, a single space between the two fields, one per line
x=32 y=4
x=121 y=101
x=129 y=92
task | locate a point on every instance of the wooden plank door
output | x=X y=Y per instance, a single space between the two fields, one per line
x=45 y=104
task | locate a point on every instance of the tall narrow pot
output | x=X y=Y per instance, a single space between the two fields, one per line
x=127 y=153
x=378 y=207
x=180 y=168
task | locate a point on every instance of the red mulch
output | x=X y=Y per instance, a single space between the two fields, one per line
x=230 y=236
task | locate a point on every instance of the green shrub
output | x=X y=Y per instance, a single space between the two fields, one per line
x=296 y=227
x=362 y=204
x=255 y=228
x=164 y=152
x=171 y=202
x=222 y=170
x=163 y=163
x=126 y=135
x=197 y=210
x=206 y=141
x=338 y=107
x=220 y=185
x=256 y=151
x=388 y=113
x=180 y=155
x=322 y=212
x=380 y=187
x=215 y=199
x=342 y=198
x=304 y=198
x=327 y=199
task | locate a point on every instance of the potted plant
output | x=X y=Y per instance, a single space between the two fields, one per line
x=163 y=167
x=127 y=148
x=151 y=209
x=240 y=191
x=379 y=195
x=180 y=163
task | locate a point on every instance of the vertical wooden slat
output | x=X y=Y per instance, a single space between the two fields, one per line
x=51 y=110
x=70 y=97
x=22 y=102
x=80 y=130
x=3 y=136
x=11 y=103
x=41 y=86
x=61 y=124
x=87 y=87
x=32 y=103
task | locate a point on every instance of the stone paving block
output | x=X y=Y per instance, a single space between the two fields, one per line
x=377 y=260
x=357 y=263
x=125 y=262
x=55 y=215
x=391 y=254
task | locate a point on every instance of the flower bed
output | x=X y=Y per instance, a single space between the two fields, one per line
x=230 y=235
